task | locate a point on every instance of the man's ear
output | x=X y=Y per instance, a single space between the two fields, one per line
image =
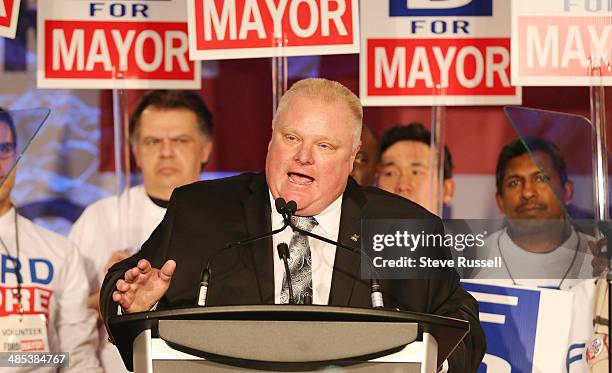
x=207 y=149
x=568 y=192
x=449 y=191
x=354 y=154
x=136 y=153
x=500 y=203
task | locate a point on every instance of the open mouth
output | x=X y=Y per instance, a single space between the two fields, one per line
x=300 y=179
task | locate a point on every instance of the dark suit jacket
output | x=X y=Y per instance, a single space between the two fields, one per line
x=205 y=216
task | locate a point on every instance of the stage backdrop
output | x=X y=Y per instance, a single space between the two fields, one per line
x=70 y=164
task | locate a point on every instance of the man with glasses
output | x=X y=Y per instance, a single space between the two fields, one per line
x=171 y=136
x=43 y=287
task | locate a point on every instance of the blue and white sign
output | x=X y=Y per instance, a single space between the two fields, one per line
x=526 y=328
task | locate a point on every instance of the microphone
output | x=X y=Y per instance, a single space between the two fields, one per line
x=283 y=253
x=376 y=293
x=286 y=209
x=281 y=208
x=281 y=205
x=375 y=284
x=291 y=207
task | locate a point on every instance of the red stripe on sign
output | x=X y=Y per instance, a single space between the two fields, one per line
x=462 y=67
x=5 y=21
x=229 y=24
x=35 y=301
x=136 y=50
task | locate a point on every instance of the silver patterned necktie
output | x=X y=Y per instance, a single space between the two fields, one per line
x=300 y=262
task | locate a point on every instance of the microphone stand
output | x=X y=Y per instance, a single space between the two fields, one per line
x=206 y=272
x=375 y=284
x=283 y=253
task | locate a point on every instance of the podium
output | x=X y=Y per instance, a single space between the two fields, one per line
x=284 y=338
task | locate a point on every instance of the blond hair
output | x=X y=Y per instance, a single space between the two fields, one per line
x=325 y=91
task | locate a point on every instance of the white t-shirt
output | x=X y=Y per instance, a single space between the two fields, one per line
x=571 y=261
x=97 y=235
x=54 y=289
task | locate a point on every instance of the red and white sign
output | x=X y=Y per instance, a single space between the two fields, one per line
x=562 y=42
x=119 y=44
x=435 y=60
x=9 y=11
x=226 y=29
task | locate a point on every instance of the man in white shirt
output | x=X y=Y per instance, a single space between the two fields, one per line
x=171 y=136
x=43 y=285
x=539 y=246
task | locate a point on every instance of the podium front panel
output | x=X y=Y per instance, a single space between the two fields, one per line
x=419 y=356
x=170 y=366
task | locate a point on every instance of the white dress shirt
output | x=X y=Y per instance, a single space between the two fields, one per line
x=322 y=254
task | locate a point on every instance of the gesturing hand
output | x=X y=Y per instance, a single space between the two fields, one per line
x=143 y=286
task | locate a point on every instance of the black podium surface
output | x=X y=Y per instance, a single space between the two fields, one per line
x=173 y=326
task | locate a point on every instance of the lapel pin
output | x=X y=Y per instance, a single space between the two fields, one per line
x=355 y=237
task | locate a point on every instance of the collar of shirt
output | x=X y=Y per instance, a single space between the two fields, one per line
x=7 y=221
x=572 y=253
x=323 y=254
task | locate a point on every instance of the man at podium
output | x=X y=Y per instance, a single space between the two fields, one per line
x=315 y=138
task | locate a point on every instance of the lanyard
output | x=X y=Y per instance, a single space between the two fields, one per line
x=508 y=267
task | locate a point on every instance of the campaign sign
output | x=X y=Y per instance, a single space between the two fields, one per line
x=526 y=328
x=562 y=42
x=114 y=44
x=225 y=29
x=9 y=11
x=427 y=52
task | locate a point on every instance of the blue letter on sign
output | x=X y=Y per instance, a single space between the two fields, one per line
x=437 y=8
x=42 y=267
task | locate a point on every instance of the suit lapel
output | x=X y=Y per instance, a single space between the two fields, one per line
x=257 y=217
x=347 y=264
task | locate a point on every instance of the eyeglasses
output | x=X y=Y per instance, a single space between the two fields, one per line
x=7 y=149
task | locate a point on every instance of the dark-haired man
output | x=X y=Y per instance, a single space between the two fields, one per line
x=539 y=246
x=364 y=169
x=171 y=136
x=404 y=168
x=43 y=286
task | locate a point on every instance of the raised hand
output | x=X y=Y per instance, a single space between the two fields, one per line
x=143 y=286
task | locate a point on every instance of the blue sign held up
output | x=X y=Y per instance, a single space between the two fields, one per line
x=509 y=324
